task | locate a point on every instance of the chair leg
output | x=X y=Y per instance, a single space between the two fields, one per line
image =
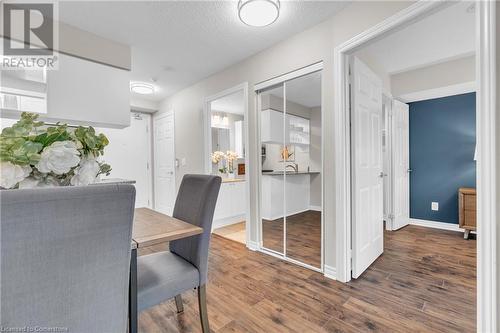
x=202 y=302
x=178 y=303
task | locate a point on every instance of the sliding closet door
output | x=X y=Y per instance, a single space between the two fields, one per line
x=302 y=160
x=272 y=205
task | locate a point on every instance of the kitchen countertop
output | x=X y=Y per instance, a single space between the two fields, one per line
x=108 y=181
x=233 y=180
x=293 y=173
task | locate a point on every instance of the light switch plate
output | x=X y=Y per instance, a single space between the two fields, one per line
x=183 y=161
x=435 y=206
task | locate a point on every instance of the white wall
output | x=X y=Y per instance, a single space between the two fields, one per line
x=440 y=75
x=313 y=45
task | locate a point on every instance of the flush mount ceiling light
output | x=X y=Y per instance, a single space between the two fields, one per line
x=142 y=88
x=258 y=13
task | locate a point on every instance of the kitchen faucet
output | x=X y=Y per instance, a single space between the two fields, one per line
x=294 y=166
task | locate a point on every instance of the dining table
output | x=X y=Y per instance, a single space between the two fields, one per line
x=152 y=228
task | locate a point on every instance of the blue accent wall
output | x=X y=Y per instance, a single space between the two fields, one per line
x=442 y=143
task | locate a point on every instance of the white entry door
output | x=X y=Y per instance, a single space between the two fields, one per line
x=164 y=157
x=401 y=165
x=129 y=154
x=367 y=168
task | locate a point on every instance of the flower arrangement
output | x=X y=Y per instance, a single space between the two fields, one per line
x=33 y=154
x=217 y=157
x=229 y=157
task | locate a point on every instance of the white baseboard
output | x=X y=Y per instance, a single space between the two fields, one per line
x=251 y=245
x=330 y=272
x=272 y=218
x=228 y=221
x=315 y=208
x=437 y=225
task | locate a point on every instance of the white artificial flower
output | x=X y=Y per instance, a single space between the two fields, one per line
x=11 y=174
x=29 y=182
x=86 y=173
x=59 y=158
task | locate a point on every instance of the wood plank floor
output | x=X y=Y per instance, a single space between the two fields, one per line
x=235 y=232
x=424 y=282
x=303 y=237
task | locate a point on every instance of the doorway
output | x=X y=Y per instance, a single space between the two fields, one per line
x=226 y=145
x=485 y=136
x=129 y=154
x=164 y=162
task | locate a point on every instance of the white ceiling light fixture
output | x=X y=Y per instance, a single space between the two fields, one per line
x=258 y=13
x=142 y=88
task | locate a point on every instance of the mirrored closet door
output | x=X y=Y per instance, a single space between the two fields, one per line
x=291 y=186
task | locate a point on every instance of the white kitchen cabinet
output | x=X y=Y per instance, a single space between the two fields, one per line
x=85 y=92
x=297 y=195
x=231 y=204
x=271 y=129
x=297 y=129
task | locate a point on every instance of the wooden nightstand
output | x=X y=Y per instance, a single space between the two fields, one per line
x=467 y=209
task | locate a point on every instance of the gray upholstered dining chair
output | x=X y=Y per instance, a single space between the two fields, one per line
x=65 y=257
x=166 y=275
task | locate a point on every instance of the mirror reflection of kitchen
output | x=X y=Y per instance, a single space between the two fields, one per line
x=291 y=169
x=227 y=123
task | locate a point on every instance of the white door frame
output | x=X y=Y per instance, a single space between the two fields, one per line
x=315 y=67
x=155 y=185
x=486 y=136
x=208 y=145
x=149 y=118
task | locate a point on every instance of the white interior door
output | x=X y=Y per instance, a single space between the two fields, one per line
x=401 y=165
x=164 y=157
x=367 y=168
x=129 y=154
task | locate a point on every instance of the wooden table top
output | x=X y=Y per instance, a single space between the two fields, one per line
x=151 y=227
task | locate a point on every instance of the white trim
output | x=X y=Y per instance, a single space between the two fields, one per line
x=486 y=166
x=315 y=208
x=208 y=144
x=272 y=218
x=486 y=136
x=251 y=245
x=437 y=225
x=289 y=76
x=455 y=89
x=279 y=255
x=330 y=272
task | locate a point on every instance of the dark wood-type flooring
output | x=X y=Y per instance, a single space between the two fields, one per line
x=424 y=282
x=303 y=237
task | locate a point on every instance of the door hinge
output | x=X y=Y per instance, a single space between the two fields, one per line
x=147 y=165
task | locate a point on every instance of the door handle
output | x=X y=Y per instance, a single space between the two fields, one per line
x=409 y=170
x=381 y=175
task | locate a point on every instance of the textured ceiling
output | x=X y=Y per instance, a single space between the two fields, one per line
x=181 y=42
x=445 y=35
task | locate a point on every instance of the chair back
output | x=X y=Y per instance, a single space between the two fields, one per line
x=195 y=204
x=65 y=257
